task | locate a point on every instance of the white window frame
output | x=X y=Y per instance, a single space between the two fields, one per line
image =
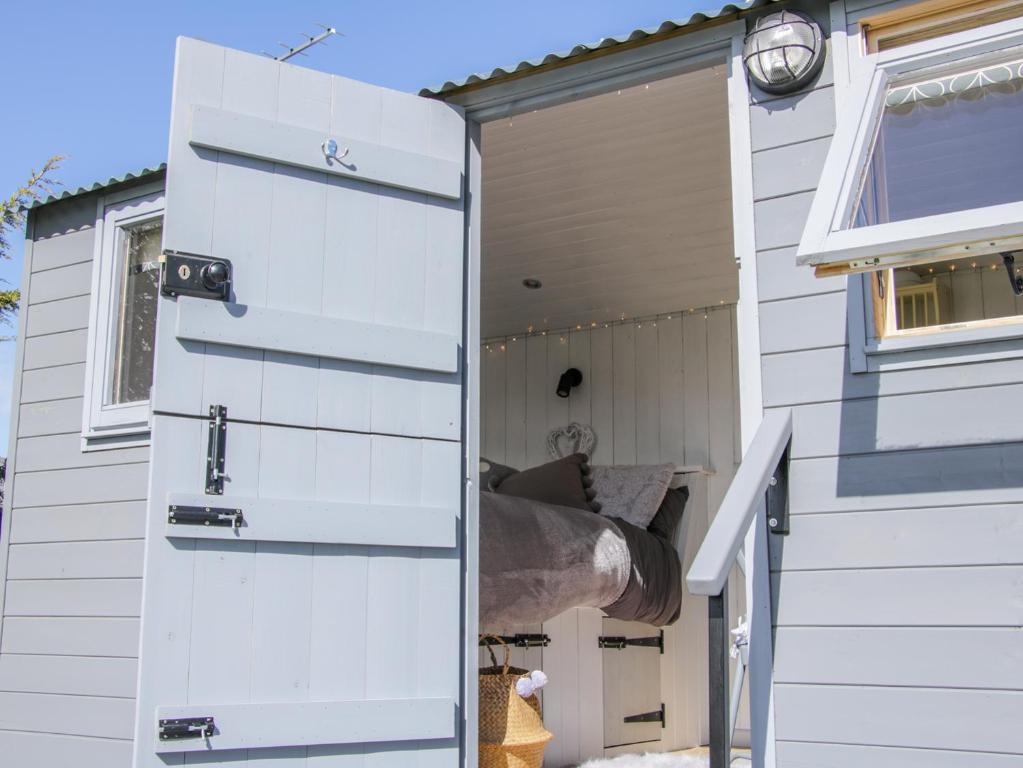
x=861 y=76
x=827 y=240
x=124 y=424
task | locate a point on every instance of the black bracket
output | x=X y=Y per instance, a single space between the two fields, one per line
x=778 y=497
x=217 y=517
x=186 y=728
x=1015 y=280
x=189 y=274
x=520 y=640
x=215 y=450
x=620 y=643
x=657 y=716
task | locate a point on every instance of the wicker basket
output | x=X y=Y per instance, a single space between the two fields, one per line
x=511 y=729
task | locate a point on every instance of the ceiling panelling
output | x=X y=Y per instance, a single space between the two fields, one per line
x=620 y=204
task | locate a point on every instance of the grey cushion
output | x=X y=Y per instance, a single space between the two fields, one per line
x=632 y=493
x=492 y=473
x=559 y=482
x=669 y=514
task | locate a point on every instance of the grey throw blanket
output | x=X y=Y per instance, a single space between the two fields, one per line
x=538 y=560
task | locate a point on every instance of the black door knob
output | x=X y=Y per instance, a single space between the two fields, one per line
x=215 y=274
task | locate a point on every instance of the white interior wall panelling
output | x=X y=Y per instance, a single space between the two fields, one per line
x=619 y=203
x=654 y=390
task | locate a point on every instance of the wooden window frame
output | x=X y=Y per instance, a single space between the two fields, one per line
x=928 y=20
x=125 y=424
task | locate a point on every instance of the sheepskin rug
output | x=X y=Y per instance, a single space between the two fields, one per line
x=659 y=760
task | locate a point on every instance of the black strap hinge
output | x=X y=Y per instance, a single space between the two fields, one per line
x=620 y=642
x=657 y=716
x=520 y=640
x=186 y=728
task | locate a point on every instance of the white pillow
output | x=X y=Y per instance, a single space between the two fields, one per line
x=633 y=493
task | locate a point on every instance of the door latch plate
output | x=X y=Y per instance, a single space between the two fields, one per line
x=215 y=450
x=189 y=274
x=186 y=728
x=218 y=517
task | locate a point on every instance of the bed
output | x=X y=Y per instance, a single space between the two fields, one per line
x=537 y=560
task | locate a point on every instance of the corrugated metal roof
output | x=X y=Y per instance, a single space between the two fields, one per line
x=552 y=59
x=141 y=173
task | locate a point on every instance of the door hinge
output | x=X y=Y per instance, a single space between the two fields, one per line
x=520 y=640
x=186 y=728
x=214 y=516
x=620 y=643
x=189 y=274
x=657 y=716
x=215 y=450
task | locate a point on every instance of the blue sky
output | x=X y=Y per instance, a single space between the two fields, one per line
x=92 y=80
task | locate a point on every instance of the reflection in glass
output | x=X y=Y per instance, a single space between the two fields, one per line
x=950 y=152
x=135 y=332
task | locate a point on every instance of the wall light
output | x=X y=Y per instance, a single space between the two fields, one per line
x=784 y=51
x=573 y=377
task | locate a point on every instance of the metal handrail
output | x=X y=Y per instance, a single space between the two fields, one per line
x=717 y=554
x=761 y=483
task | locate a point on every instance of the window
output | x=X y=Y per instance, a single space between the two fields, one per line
x=923 y=186
x=126 y=284
x=928 y=20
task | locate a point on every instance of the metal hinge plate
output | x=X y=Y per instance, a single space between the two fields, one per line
x=521 y=640
x=186 y=728
x=657 y=716
x=620 y=642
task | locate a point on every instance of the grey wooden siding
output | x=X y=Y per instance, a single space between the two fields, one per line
x=897 y=593
x=73 y=529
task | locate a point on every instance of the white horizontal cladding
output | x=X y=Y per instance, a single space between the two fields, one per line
x=321 y=522
x=302 y=147
x=293 y=724
x=239 y=325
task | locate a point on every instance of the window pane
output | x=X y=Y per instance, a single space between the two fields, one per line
x=138 y=264
x=945 y=153
x=957 y=291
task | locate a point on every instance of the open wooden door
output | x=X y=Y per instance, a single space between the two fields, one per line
x=303 y=576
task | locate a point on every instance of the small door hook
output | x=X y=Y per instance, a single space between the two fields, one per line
x=330 y=148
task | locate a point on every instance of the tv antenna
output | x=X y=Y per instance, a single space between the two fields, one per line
x=310 y=40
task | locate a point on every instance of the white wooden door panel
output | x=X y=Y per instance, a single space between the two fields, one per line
x=313 y=335
x=327 y=627
x=322 y=522
x=300 y=147
x=344 y=722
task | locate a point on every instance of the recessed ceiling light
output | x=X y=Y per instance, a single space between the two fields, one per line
x=532 y=283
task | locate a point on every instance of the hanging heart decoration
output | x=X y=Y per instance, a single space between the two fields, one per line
x=573 y=438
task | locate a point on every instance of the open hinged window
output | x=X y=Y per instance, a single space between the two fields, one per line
x=922 y=185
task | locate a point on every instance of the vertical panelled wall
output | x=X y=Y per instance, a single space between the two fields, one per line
x=649 y=389
x=897 y=593
x=73 y=527
x=661 y=390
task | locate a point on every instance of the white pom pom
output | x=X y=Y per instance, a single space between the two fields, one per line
x=539 y=679
x=524 y=687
